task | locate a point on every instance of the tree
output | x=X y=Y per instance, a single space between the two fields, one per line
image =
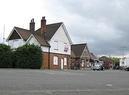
x=28 y=56
x=5 y=56
x=107 y=62
x=115 y=62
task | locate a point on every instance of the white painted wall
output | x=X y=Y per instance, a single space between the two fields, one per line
x=60 y=40
x=45 y=49
x=16 y=43
x=124 y=62
x=33 y=40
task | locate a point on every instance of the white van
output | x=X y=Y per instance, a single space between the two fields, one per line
x=124 y=63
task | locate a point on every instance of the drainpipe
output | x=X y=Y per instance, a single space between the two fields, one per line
x=49 y=58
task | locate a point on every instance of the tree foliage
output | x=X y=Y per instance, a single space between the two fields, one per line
x=108 y=61
x=28 y=56
x=5 y=56
x=115 y=60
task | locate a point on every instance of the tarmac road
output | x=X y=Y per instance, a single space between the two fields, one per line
x=45 y=82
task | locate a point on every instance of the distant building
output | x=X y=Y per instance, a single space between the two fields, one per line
x=80 y=56
x=93 y=57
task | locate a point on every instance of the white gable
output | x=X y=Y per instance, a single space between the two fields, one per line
x=15 y=43
x=14 y=30
x=33 y=40
x=61 y=42
x=85 y=53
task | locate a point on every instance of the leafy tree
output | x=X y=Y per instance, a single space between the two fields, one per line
x=5 y=56
x=115 y=62
x=28 y=56
x=107 y=62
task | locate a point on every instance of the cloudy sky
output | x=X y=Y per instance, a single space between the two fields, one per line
x=103 y=24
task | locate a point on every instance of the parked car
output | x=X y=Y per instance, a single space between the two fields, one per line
x=97 y=66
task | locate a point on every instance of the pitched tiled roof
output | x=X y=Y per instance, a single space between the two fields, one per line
x=93 y=56
x=25 y=34
x=50 y=31
x=72 y=54
x=41 y=40
x=78 y=49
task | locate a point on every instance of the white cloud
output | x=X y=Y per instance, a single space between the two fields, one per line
x=103 y=24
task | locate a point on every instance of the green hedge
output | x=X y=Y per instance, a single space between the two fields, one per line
x=27 y=56
x=5 y=56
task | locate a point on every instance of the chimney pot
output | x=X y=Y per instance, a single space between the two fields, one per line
x=43 y=18
x=43 y=25
x=32 y=26
x=32 y=20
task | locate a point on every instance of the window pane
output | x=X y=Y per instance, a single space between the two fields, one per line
x=55 y=45
x=55 y=60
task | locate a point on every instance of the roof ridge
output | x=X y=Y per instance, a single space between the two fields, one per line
x=35 y=35
x=21 y=28
x=80 y=44
x=50 y=24
x=55 y=23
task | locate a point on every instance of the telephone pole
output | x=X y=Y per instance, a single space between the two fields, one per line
x=3 y=34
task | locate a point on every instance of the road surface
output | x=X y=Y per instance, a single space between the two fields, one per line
x=45 y=82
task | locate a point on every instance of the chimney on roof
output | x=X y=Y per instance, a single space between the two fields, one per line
x=43 y=25
x=32 y=26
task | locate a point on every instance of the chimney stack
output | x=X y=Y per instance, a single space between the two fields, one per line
x=43 y=25
x=32 y=26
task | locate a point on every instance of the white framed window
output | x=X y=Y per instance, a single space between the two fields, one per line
x=65 y=61
x=55 y=60
x=55 y=45
x=66 y=47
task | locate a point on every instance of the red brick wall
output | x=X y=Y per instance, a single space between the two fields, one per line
x=45 y=57
x=60 y=56
x=46 y=62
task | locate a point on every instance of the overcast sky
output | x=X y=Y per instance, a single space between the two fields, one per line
x=103 y=24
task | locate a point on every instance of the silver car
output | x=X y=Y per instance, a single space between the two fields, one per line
x=97 y=66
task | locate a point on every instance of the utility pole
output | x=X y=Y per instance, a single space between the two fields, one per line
x=3 y=34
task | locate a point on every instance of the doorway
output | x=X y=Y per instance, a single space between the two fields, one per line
x=62 y=64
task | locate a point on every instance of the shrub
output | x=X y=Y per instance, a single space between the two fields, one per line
x=28 y=56
x=5 y=56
